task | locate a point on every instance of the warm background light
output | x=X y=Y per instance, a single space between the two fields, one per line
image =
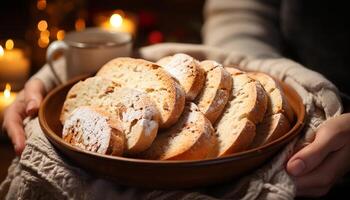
x=60 y=35
x=9 y=44
x=6 y=98
x=1 y=51
x=45 y=34
x=43 y=42
x=14 y=64
x=116 y=20
x=7 y=91
x=79 y=24
x=41 y=4
x=42 y=25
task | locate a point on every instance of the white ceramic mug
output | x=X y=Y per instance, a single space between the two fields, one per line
x=86 y=51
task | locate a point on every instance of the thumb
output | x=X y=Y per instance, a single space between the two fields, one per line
x=311 y=156
x=33 y=93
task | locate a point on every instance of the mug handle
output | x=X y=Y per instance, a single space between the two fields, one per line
x=54 y=48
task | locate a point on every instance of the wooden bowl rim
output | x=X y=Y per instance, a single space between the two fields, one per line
x=300 y=117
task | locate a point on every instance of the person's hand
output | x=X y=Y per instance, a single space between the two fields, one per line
x=320 y=164
x=26 y=104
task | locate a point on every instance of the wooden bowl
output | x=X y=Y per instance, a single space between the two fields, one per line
x=162 y=174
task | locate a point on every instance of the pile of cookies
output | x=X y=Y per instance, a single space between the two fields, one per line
x=175 y=109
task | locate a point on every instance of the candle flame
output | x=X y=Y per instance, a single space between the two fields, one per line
x=1 y=51
x=9 y=44
x=7 y=91
x=116 y=20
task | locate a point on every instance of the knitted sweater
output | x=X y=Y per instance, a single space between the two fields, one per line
x=312 y=32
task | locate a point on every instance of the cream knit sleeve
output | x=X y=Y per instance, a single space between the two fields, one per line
x=46 y=76
x=246 y=26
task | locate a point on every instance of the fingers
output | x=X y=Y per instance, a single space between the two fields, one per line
x=319 y=181
x=13 y=123
x=34 y=91
x=27 y=103
x=310 y=156
x=332 y=136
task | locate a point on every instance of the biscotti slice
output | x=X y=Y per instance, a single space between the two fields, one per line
x=191 y=138
x=152 y=79
x=86 y=93
x=187 y=71
x=270 y=129
x=135 y=110
x=94 y=130
x=278 y=101
x=235 y=128
x=279 y=114
x=254 y=97
x=216 y=91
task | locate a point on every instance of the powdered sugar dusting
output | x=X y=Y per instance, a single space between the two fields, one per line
x=177 y=66
x=193 y=113
x=131 y=114
x=89 y=128
x=150 y=126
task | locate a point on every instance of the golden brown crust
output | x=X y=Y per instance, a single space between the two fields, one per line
x=135 y=110
x=236 y=127
x=233 y=71
x=86 y=96
x=108 y=138
x=117 y=142
x=187 y=71
x=244 y=139
x=192 y=137
x=270 y=129
x=256 y=106
x=152 y=79
x=278 y=102
x=198 y=83
x=216 y=91
x=203 y=147
x=277 y=118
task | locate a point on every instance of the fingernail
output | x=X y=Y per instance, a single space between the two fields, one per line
x=296 y=167
x=31 y=107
